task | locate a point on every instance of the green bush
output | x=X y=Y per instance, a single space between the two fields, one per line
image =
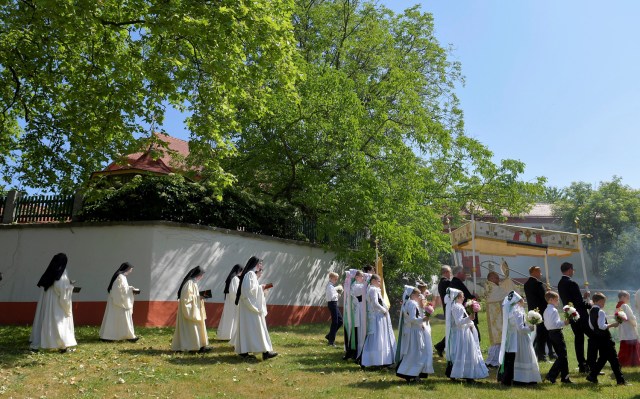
x=174 y=198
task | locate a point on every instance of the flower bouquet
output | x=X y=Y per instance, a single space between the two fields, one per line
x=428 y=309
x=472 y=306
x=620 y=316
x=570 y=313
x=534 y=317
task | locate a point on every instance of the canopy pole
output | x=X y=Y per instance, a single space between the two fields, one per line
x=453 y=250
x=473 y=251
x=584 y=267
x=546 y=266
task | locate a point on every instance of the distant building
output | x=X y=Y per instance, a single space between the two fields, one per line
x=154 y=160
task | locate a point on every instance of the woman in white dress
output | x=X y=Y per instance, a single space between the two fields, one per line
x=518 y=360
x=227 y=321
x=380 y=343
x=464 y=358
x=413 y=362
x=53 y=322
x=191 y=332
x=117 y=323
x=251 y=334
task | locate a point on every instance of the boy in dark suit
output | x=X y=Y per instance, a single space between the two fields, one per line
x=603 y=341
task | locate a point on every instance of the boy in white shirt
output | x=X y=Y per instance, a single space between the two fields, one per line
x=332 y=304
x=554 y=325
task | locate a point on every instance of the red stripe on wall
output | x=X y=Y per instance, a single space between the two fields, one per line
x=162 y=313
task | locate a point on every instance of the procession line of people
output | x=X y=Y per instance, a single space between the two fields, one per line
x=243 y=322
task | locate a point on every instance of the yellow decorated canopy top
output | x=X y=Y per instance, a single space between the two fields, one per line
x=509 y=240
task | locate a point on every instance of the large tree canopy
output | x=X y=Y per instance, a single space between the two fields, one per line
x=605 y=212
x=375 y=139
x=339 y=108
x=82 y=80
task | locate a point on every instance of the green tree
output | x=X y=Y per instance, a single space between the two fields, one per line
x=375 y=139
x=551 y=195
x=82 y=80
x=604 y=213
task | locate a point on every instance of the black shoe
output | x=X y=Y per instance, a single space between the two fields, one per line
x=205 y=349
x=542 y=359
x=583 y=370
x=247 y=356
x=106 y=340
x=470 y=380
x=63 y=350
x=553 y=356
x=591 y=378
x=566 y=381
x=623 y=382
x=269 y=355
x=133 y=339
x=551 y=380
x=440 y=352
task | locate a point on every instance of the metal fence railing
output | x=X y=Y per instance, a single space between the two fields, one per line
x=43 y=208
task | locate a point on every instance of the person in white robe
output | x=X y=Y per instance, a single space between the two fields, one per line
x=380 y=342
x=251 y=334
x=53 y=322
x=495 y=294
x=117 y=323
x=191 y=332
x=413 y=361
x=464 y=358
x=518 y=360
x=350 y=344
x=227 y=323
x=359 y=306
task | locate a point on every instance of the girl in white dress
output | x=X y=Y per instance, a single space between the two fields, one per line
x=380 y=343
x=117 y=323
x=464 y=358
x=53 y=322
x=191 y=332
x=413 y=361
x=518 y=360
x=227 y=321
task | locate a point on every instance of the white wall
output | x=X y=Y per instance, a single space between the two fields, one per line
x=162 y=253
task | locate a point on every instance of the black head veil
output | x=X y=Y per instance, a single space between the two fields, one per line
x=234 y=272
x=121 y=270
x=251 y=264
x=193 y=273
x=54 y=271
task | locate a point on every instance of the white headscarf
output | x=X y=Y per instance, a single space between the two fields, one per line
x=406 y=297
x=507 y=303
x=449 y=299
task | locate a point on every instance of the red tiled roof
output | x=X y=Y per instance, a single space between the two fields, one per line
x=165 y=162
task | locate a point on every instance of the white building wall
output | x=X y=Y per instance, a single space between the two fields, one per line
x=162 y=253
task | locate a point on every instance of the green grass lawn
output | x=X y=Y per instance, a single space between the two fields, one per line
x=306 y=368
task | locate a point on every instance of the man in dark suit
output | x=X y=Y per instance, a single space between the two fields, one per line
x=443 y=284
x=457 y=282
x=570 y=292
x=534 y=290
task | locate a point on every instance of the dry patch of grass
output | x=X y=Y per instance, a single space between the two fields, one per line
x=305 y=368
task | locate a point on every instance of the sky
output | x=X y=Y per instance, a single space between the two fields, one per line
x=551 y=83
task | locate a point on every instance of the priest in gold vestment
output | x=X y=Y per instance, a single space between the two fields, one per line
x=494 y=293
